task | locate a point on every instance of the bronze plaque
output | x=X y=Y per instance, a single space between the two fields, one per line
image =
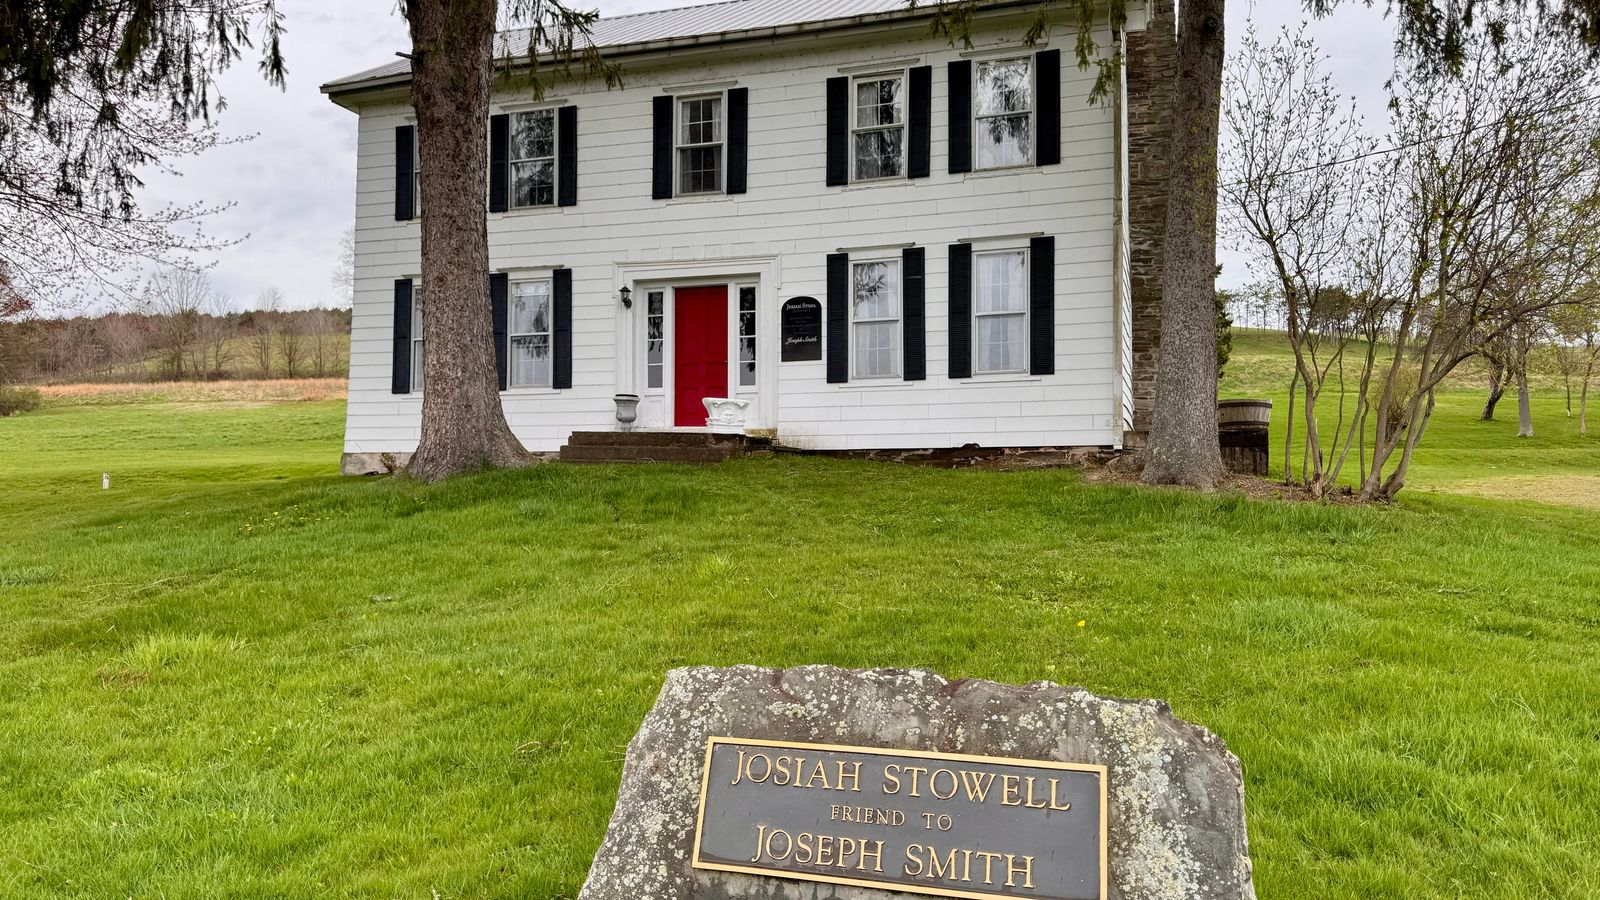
x=940 y=824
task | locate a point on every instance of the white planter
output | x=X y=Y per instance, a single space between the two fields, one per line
x=726 y=416
x=627 y=410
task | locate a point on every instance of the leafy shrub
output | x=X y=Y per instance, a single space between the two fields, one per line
x=1405 y=387
x=15 y=399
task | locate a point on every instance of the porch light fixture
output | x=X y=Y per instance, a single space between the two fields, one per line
x=627 y=297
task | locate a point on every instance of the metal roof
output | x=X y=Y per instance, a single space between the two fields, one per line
x=708 y=21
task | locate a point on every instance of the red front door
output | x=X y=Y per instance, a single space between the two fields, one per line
x=700 y=348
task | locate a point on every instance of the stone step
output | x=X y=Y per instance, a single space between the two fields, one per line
x=651 y=439
x=588 y=453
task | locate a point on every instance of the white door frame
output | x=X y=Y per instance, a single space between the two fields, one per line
x=642 y=277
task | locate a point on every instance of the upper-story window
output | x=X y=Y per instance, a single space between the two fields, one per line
x=529 y=334
x=416 y=172
x=875 y=318
x=533 y=158
x=1004 y=108
x=700 y=145
x=878 y=141
x=1000 y=313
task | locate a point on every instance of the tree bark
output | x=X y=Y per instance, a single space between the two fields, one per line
x=1583 y=407
x=1183 y=433
x=1497 y=389
x=1524 y=407
x=463 y=425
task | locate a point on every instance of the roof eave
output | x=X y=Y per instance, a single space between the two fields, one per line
x=336 y=90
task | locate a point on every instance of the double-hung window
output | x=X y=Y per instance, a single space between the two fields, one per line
x=530 y=334
x=416 y=173
x=533 y=158
x=700 y=145
x=875 y=318
x=1000 y=312
x=1004 y=125
x=416 y=339
x=878 y=133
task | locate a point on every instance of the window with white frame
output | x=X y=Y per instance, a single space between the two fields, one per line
x=655 y=358
x=529 y=334
x=878 y=135
x=1004 y=126
x=1000 y=312
x=747 y=336
x=416 y=172
x=700 y=145
x=875 y=318
x=533 y=158
x=416 y=339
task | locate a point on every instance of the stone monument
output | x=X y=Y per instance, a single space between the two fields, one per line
x=818 y=783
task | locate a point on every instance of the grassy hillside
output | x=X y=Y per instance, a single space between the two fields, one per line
x=236 y=674
x=1460 y=453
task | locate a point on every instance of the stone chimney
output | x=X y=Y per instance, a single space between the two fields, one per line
x=1152 y=60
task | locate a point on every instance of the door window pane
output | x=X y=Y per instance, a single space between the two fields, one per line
x=747 y=336
x=655 y=341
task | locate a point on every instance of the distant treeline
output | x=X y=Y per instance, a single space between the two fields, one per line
x=187 y=345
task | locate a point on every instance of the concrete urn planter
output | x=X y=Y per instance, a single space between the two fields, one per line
x=627 y=410
x=726 y=416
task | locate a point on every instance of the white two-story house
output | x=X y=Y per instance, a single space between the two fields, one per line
x=877 y=239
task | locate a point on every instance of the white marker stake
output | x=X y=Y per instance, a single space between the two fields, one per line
x=105 y=481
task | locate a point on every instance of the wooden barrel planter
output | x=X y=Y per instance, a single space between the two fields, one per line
x=1242 y=429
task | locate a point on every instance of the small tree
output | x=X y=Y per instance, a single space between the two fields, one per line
x=291 y=343
x=1577 y=344
x=264 y=329
x=177 y=299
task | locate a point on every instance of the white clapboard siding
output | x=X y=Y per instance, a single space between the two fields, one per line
x=789 y=221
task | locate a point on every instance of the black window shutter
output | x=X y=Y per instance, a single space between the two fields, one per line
x=499 y=163
x=738 y=139
x=838 y=318
x=567 y=156
x=1047 y=76
x=561 y=371
x=960 y=310
x=919 y=164
x=914 y=323
x=663 y=149
x=401 y=368
x=1042 y=305
x=961 y=116
x=405 y=166
x=838 y=131
x=500 y=310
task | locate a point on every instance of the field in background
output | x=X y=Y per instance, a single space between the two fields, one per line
x=1460 y=453
x=217 y=392
x=238 y=674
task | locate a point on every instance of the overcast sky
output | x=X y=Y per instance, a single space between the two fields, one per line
x=294 y=183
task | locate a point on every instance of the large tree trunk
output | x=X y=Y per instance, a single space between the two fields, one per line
x=463 y=425
x=1183 y=432
x=1497 y=389
x=1524 y=406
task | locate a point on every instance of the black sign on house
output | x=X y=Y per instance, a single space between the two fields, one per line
x=800 y=329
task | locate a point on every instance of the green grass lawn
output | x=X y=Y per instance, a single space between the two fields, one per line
x=238 y=675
